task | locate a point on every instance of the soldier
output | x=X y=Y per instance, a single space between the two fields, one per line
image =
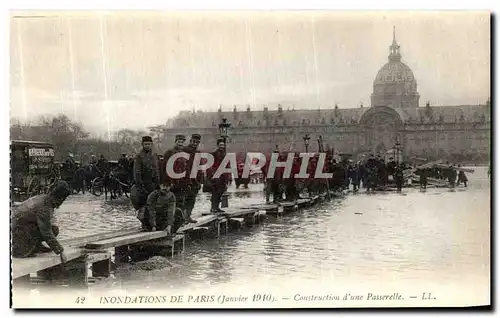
x=93 y=160
x=31 y=223
x=194 y=183
x=423 y=178
x=355 y=177
x=220 y=183
x=162 y=214
x=179 y=186
x=267 y=180
x=102 y=165
x=452 y=176
x=462 y=178
x=398 y=177
x=178 y=147
x=146 y=175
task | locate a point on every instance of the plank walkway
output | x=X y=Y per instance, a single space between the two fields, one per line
x=94 y=248
x=25 y=266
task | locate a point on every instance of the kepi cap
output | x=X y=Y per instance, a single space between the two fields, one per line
x=147 y=139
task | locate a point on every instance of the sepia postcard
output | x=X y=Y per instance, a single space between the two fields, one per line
x=250 y=159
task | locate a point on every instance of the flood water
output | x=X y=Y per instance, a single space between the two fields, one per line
x=439 y=236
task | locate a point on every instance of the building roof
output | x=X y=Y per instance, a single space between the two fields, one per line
x=449 y=114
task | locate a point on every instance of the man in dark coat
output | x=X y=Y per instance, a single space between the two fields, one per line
x=146 y=174
x=220 y=183
x=179 y=186
x=399 y=177
x=31 y=223
x=194 y=183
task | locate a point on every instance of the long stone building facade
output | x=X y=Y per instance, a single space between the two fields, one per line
x=460 y=133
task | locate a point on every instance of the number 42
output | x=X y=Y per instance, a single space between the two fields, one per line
x=80 y=300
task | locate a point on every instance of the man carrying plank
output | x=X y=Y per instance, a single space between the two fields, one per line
x=31 y=223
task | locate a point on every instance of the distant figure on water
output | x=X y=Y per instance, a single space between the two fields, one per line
x=462 y=178
x=31 y=223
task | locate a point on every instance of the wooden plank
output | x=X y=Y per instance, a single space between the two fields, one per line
x=200 y=228
x=267 y=207
x=456 y=168
x=25 y=266
x=126 y=240
x=237 y=220
x=238 y=212
x=422 y=166
x=167 y=241
x=303 y=201
x=84 y=240
x=278 y=211
x=94 y=256
x=200 y=221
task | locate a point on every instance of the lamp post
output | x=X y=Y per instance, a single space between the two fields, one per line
x=397 y=148
x=306 y=141
x=223 y=128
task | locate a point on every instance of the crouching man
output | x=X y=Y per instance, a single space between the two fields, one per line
x=161 y=213
x=31 y=223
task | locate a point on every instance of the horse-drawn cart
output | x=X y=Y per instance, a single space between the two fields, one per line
x=32 y=168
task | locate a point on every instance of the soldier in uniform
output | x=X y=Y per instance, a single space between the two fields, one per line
x=161 y=211
x=220 y=183
x=194 y=183
x=399 y=177
x=146 y=175
x=31 y=223
x=179 y=187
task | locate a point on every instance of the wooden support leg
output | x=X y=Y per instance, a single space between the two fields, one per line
x=78 y=275
x=121 y=254
x=51 y=274
x=22 y=282
x=101 y=268
x=249 y=220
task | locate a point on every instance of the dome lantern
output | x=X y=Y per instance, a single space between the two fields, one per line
x=394 y=54
x=395 y=85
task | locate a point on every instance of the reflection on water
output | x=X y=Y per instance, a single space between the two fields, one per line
x=434 y=235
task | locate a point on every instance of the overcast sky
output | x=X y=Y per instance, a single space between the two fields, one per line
x=135 y=70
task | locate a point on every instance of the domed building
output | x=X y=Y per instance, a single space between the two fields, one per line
x=394 y=120
x=395 y=85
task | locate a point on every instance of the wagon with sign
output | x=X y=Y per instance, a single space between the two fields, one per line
x=32 y=168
